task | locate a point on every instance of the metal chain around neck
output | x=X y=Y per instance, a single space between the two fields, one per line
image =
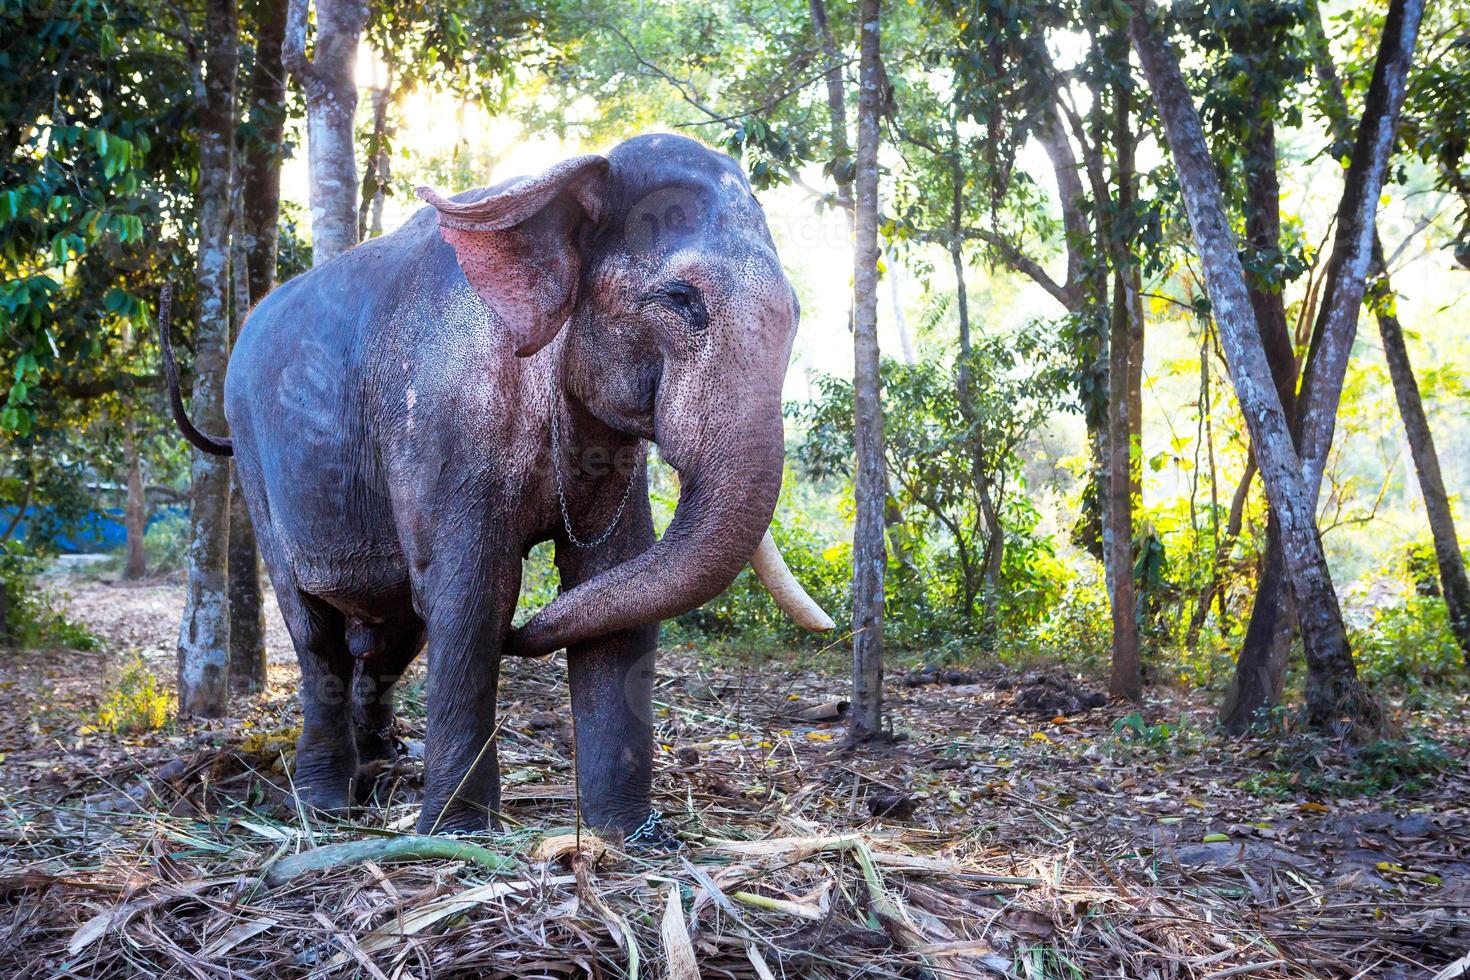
x=561 y=495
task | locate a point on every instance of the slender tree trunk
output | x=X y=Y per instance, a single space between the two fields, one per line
x=1087 y=300
x=135 y=511
x=331 y=103
x=376 y=173
x=836 y=103
x=994 y=551
x=1453 y=582
x=1290 y=495
x=905 y=339
x=135 y=514
x=247 y=603
x=263 y=155
x=1136 y=325
x=204 y=635
x=1260 y=668
x=868 y=549
x=1126 y=680
x=1332 y=686
x=257 y=237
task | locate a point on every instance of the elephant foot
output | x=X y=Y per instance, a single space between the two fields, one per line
x=457 y=819
x=335 y=800
x=324 y=774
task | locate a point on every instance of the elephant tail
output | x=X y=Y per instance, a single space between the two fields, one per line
x=214 y=445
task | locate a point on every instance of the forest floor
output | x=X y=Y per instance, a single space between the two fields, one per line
x=1021 y=826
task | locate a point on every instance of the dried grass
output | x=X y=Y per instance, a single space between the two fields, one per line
x=125 y=868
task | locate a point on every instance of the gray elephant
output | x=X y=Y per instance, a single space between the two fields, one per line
x=409 y=419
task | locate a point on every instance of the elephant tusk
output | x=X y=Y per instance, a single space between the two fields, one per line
x=771 y=569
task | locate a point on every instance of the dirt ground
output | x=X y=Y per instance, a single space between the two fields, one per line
x=1020 y=826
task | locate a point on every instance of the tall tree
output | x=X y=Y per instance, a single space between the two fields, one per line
x=1454 y=584
x=1289 y=491
x=331 y=103
x=1259 y=674
x=869 y=553
x=1126 y=679
x=135 y=510
x=204 y=635
x=1260 y=50
x=256 y=234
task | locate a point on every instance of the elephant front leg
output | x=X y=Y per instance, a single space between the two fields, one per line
x=612 y=709
x=611 y=679
x=466 y=630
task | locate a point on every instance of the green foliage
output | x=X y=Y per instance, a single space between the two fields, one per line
x=1434 y=125
x=84 y=89
x=540 y=581
x=1134 y=729
x=139 y=702
x=1077 y=628
x=942 y=465
x=1403 y=641
x=1302 y=764
x=32 y=616
x=166 y=542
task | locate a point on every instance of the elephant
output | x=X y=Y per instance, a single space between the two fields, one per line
x=409 y=418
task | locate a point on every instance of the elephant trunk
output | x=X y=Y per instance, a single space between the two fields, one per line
x=729 y=493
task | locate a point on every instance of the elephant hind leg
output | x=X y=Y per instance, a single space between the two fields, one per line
x=326 y=753
x=383 y=651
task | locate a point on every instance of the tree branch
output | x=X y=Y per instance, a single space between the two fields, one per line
x=293 y=46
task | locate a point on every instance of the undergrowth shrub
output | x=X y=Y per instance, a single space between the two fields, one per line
x=1403 y=641
x=1077 y=632
x=32 y=617
x=139 y=702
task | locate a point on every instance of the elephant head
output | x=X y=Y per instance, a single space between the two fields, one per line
x=657 y=261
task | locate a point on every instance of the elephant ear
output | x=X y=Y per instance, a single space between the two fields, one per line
x=518 y=246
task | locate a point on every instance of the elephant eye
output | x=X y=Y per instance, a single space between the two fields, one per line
x=682 y=298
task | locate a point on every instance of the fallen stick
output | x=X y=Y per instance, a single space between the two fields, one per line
x=385 y=850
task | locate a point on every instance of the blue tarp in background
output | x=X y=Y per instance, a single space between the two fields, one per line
x=100 y=530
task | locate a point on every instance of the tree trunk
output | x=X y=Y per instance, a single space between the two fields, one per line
x=1453 y=582
x=204 y=635
x=1126 y=680
x=868 y=551
x=247 y=604
x=255 y=273
x=263 y=155
x=331 y=102
x=1290 y=495
x=1260 y=668
x=836 y=103
x=135 y=514
x=135 y=511
x=1136 y=325
x=1086 y=294
x=1332 y=680
x=905 y=338
x=994 y=551
x=376 y=174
